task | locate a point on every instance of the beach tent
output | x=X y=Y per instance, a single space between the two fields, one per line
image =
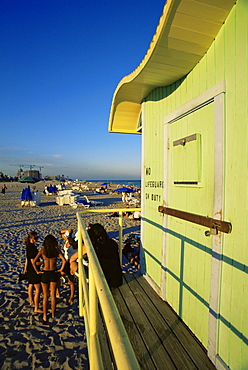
x=28 y=179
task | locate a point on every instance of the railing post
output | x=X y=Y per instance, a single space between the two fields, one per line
x=80 y=285
x=120 y=234
x=96 y=293
x=94 y=347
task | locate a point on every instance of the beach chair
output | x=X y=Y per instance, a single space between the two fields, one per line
x=86 y=203
x=93 y=202
x=74 y=201
x=67 y=197
x=81 y=202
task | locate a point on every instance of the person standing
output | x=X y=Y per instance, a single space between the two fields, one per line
x=4 y=187
x=33 y=278
x=70 y=248
x=108 y=254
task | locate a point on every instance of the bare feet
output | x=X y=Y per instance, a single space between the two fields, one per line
x=38 y=311
x=70 y=301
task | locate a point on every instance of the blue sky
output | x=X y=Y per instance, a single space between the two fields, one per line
x=60 y=63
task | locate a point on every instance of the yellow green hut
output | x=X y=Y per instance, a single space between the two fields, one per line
x=188 y=99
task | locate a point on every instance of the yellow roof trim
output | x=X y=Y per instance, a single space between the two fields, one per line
x=185 y=31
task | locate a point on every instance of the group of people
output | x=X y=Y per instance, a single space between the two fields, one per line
x=50 y=189
x=48 y=278
x=102 y=190
x=134 y=215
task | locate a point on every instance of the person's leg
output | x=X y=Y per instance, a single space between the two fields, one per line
x=72 y=288
x=73 y=267
x=30 y=294
x=53 y=287
x=45 y=288
x=58 y=289
x=37 y=298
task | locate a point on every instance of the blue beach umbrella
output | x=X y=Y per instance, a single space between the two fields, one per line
x=26 y=194
x=128 y=190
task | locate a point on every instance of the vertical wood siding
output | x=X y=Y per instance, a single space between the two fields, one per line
x=227 y=60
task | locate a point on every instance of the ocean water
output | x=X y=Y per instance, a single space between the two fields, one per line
x=136 y=183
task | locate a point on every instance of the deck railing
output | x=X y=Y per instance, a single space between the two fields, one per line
x=94 y=294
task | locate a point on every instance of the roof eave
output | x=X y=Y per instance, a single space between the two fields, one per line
x=172 y=55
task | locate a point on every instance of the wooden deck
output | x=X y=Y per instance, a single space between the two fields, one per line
x=159 y=337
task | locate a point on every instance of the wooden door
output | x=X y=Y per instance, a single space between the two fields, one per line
x=190 y=188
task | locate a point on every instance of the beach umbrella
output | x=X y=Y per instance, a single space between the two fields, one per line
x=26 y=194
x=28 y=179
x=104 y=184
x=128 y=190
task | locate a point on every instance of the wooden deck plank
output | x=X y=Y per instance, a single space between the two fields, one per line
x=141 y=352
x=159 y=337
x=188 y=341
x=154 y=346
x=170 y=342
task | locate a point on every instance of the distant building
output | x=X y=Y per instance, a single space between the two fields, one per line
x=32 y=173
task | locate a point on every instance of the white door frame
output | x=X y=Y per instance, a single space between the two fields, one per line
x=215 y=94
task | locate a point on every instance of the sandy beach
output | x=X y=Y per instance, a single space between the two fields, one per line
x=25 y=342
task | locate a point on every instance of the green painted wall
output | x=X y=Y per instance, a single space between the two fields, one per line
x=188 y=251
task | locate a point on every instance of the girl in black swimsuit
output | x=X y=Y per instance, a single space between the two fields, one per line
x=34 y=287
x=49 y=275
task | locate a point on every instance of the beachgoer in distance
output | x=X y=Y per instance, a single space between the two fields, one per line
x=124 y=196
x=50 y=275
x=136 y=215
x=70 y=248
x=33 y=278
x=114 y=214
x=132 y=254
x=4 y=187
x=127 y=214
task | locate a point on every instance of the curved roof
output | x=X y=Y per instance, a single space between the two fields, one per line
x=185 y=31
